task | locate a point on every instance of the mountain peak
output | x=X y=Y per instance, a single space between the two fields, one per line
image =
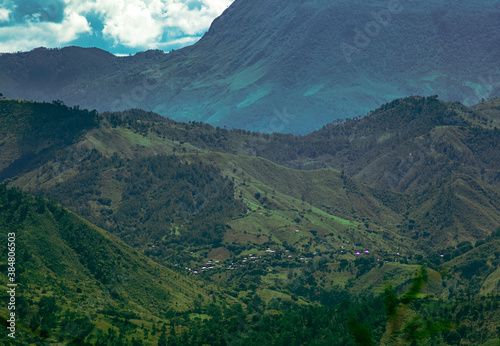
x=319 y=60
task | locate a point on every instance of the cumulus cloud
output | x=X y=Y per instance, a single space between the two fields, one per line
x=146 y=23
x=131 y=23
x=41 y=28
x=134 y=24
x=4 y=15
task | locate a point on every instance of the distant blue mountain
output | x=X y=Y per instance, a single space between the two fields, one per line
x=284 y=65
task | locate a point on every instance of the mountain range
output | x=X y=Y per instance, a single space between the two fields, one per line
x=283 y=66
x=228 y=211
x=277 y=183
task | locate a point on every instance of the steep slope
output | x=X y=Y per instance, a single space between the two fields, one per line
x=285 y=66
x=175 y=192
x=190 y=197
x=475 y=263
x=155 y=200
x=403 y=145
x=410 y=142
x=75 y=280
x=30 y=133
x=457 y=209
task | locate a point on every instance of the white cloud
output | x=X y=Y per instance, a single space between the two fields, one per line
x=140 y=24
x=194 y=22
x=130 y=23
x=24 y=37
x=73 y=25
x=4 y=15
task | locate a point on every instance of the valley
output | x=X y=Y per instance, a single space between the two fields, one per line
x=219 y=222
x=306 y=172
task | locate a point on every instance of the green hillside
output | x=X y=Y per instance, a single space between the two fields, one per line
x=77 y=282
x=219 y=220
x=30 y=133
x=403 y=145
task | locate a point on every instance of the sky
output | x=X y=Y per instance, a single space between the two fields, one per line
x=119 y=26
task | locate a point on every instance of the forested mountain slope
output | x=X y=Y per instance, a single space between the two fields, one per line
x=209 y=203
x=76 y=281
x=171 y=188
